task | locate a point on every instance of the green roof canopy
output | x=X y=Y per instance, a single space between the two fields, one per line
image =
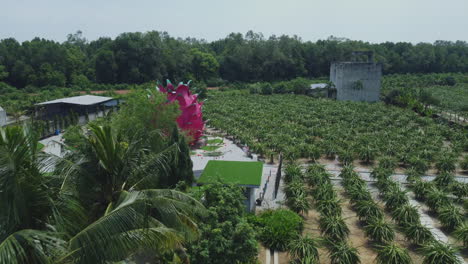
x=245 y=173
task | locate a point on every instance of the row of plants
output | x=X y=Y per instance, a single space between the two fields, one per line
x=372 y=217
x=440 y=203
x=331 y=221
x=304 y=127
x=408 y=218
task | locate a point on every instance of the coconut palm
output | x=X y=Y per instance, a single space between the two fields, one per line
x=341 y=253
x=437 y=252
x=461 y=233
x=304 y=250
x=379 y=230
x=418 y=233
x=392 y=254
x=94 y=211
x=450 y=216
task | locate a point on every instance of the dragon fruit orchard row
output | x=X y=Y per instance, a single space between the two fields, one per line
x=191 y=118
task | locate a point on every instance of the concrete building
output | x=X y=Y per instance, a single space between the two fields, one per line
x=242 y=173
x=357 y=80
x=3 y=117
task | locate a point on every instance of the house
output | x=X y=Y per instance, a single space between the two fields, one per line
x=87 y=107
x=246 y=174
x=3 y=117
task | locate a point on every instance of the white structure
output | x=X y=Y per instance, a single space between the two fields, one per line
x=3 y=117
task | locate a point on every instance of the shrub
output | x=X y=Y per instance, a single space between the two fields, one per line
x=342 y=253
x=460 y=190
x=436 y=199
x=440 y=253
x=379 y=230
x=392 y=254
x=368 y=209
x=279 y=227
x=395 y=198
x=304 y=250
x=266 y=89
x=422 y=189
x=329 y=207
x=446 y=162
x=388 y=163
x=461 y=233
x=450 y=216
x=464 y=164
x=418 y=233
x=406 y=215
x=334 y=227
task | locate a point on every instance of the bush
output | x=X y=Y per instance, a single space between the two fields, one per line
x=393 y=254
x=439 y=253
x=279 y=227
x=266 y=89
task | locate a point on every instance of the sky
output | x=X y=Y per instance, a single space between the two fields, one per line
x=368 y=20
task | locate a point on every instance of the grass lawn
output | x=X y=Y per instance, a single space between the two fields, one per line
x=236 y=172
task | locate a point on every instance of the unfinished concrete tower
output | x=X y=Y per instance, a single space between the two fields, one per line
x=355 y=80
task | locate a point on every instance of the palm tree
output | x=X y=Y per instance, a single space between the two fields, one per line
x=304 y=250
x=392 y=254
x=437 y=252
x=91 y=209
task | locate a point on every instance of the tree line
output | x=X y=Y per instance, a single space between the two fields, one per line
x=135 y=58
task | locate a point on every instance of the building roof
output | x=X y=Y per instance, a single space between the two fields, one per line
x=318 y=85
x=79 y=100
x=244 y=173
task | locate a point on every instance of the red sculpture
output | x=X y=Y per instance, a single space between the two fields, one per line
x=191 y=119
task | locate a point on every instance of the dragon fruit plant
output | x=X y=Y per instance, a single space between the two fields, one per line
x=191 y=118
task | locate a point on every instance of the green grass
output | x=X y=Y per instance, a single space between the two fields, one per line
x=236 y=172
x=214 y=141
x=210 y=148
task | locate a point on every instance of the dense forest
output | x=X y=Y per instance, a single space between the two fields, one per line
x=135 y=58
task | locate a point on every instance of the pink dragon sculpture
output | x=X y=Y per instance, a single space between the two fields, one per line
x=191 y=119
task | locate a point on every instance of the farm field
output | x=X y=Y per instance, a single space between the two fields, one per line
x=454 y=99
x=303 y=127
x=374 y=219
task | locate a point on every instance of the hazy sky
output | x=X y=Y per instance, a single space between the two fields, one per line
x=369 y=20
